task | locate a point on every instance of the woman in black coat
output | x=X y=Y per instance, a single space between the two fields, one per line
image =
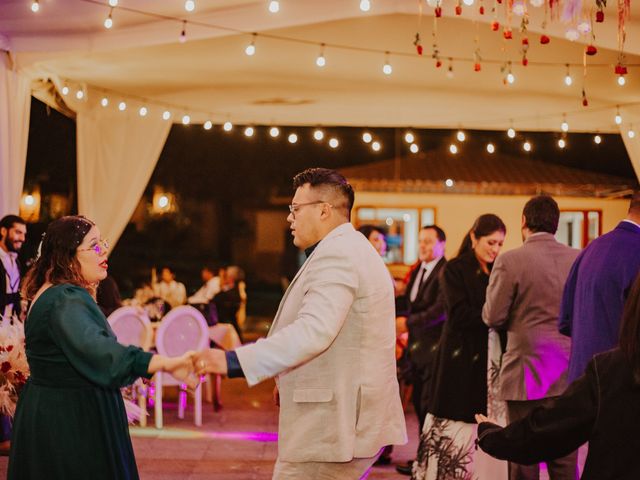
x=459 y=385
x=601 y=407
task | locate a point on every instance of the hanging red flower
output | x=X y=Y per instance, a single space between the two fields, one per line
x=481 y=10
x=544 y=39
x=477 y=67
x=458 y=10
x=591 y=50
x=438 y=11
x=495 y=25
x=507 y=34
x=621 y=69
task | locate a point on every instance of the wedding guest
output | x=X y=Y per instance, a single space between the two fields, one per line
x=601 y=407
x=70 y=419
x=169 y=290
x=459 y=382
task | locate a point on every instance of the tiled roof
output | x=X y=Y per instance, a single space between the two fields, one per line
x=483 y=173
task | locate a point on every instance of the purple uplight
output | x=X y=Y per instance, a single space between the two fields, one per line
x=248 y=436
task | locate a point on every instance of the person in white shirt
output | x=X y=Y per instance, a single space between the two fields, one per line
x=172 y=292
x=208 y=290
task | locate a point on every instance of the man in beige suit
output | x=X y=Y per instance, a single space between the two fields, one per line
x=331 y=346
x=523 y=297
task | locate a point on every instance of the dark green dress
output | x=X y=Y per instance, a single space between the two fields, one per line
x=70 y=420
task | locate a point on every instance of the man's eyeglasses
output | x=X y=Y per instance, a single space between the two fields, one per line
x=294 y=208
x=99 y=247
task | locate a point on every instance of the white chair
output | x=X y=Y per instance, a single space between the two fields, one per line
x=132 y=327
x=183 y=328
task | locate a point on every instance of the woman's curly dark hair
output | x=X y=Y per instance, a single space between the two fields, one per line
x=57 y=262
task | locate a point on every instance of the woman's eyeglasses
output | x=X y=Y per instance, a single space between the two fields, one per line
x=99 y=247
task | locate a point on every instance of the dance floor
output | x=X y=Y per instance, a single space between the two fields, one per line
x=238 y=442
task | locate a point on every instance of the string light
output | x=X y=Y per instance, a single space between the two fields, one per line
x=621 y=80
x=166 y=115
x=461 y=136
x=409 y=137
x=251 y=48
x=618 y=117
x=122 y=106
x=228 y=126
x=104 y=102
x=249 y=131
x=79 y=94
x=183 y=34
x=468 y=3
x=366 y=137
x=321 y=61
x=526 y=146
x=186 y=119
x=113 y=3
x=511 y=133
x=318 y=134
x=375 y=146
x=143 y=111
x=414 y=148
x=387 y=69
x=564 y=126
x=562 y=143
x=293 y=138
x=189 y=5
x=597 y=139
x=35 y=6
x=453 y=149
x=108 y=22
x=449 y=182
x=568 y=80
x=365 y=5
x=274 y=132
x=333 y=143
x=631 y=133
x=511 y=78
x=274 y=6
x=491 y=148
x=208 y=125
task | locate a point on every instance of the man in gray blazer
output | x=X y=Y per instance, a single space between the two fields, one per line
x=523 y=297
x=331 y=346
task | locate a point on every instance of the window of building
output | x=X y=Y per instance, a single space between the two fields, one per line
x=578 y=227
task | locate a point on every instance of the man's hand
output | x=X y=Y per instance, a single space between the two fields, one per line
x=401 y=325
x=181 y=368
x=210 y=361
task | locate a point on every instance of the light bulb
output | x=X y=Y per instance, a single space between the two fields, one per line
x=460 y=136
x=366 y=137
x=491 y=148
x=572 y=34
x=321 y=61
x=274 y=132
x=208 y=125
x=274 y=6
x=448 y=182
x=104 y=102
x=122 y=106
x=408 y=137
x=468 y=3
x=564 y=126
x=453 y=149
x=249 y=131
x=511 y=133
x=526 y=146
x=143 y=111
x=318 y=134
x=597 y=139
x=108 y=22
x=365 y=5
x=584 y=27
x=631 y=134
x=251 y=48
x=227 y=126
x=293 y=138
x=568 y=80
x=621 y=80
x=35 y=6
x=618 y=119
x=562 y=143
x=29 y=200
x=79 y=94
x=414 y=148
x=375 y=146
x=113 y=3
x=518 y=8
x=189 y=5
x=333 y=143
x=510 y=78
x=186 y=119
x=166 y=115
x=387 y=69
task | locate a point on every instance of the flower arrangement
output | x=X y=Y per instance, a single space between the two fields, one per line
x=14 y=369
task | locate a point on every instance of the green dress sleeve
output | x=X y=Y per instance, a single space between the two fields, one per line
x=81 y=331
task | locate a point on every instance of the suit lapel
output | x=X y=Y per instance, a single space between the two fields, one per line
x=426 y=282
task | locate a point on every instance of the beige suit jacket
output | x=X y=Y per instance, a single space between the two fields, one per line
x=332 y=348
x=523 y=296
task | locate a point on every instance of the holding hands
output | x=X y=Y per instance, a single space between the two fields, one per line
x=210 y=361
x=181 y=368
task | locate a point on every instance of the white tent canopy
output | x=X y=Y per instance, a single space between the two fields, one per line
x=141 y=61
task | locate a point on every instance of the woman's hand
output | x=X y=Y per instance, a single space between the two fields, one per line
x=481 y=418
x=210 y=361
x=181 y=368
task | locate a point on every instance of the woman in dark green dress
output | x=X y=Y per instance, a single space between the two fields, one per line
x=70 y=420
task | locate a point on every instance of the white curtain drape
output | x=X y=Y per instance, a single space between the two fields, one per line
x=117 y=152
x=15 y=108
x=631 y=120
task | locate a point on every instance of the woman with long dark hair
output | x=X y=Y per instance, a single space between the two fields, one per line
x=70 y=420
x=601 y=407
x=459 y=381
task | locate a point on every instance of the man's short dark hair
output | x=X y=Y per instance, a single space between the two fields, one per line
x=367 y=229
x=8 y=221
x=324 y=177
x=634 y=205
x=439 y=232
x=541 y=214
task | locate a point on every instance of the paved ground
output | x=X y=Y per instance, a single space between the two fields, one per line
x=238 y=442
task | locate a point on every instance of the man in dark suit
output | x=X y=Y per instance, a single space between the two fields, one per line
x=423 y=317
x=597 y=287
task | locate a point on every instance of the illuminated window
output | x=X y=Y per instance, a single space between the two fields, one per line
x=578 y=227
